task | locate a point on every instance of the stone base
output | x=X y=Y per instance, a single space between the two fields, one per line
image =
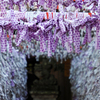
x=44 y=97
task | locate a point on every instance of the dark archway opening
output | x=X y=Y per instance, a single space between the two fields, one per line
x=62 y=79
x=31 y=76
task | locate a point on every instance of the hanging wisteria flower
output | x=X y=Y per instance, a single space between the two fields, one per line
x=84 y=74
x=13 y=76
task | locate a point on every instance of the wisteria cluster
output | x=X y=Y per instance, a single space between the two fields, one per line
x=85 y=74
x=59 y=32
x=49 y=33
x=51 y=5
x=33 y=48
x=13 y=76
